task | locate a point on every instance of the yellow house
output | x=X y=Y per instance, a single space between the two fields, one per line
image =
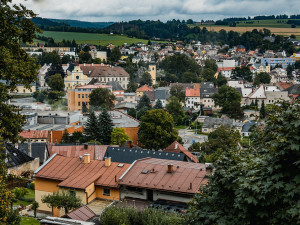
x=140 y=91
x=87 y=179
x=81 y=95
x=75 y=78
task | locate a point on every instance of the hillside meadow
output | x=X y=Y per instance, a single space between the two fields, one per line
x=91 y=38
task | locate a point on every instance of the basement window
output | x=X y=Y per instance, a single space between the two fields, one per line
x=106 y=191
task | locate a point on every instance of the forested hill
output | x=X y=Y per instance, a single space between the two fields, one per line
x=69 y=25
x=83 y=24
x=173 y=29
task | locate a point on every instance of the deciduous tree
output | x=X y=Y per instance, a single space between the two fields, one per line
x=175 y=108
x=157 y=129
x=56 y=82
x=65 y=200
x=178 y=92
x=102 y=98
x=146 y=79
x=260 y=185
x=118 y=136
x=230 y=101
x=243 y=73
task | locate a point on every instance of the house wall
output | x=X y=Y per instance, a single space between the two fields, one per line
x=79 y=193
x=132 y=194
x=114 y=193
x=170 y=196
x=71 y=100
x=28 y=166
x=132 y=132
x=152 y=71
x=20 y=89
x=44 y=187
x=57 y=134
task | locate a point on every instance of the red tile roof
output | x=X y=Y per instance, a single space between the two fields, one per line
x=74 y=173
x=144 y=88
x=284 y=85
x=34 y=134
x=192 y=92
x=96 y=151
x=178 y=148
x=152 y=173
x=225 y=69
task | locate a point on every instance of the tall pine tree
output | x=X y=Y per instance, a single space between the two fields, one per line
x=105 y=126
x=91 y=129
x=158 y=104
x=262 y=110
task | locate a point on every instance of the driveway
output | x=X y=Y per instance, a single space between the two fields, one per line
x=189 y=137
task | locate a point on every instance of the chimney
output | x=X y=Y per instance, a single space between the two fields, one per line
x=191 y=186
x=29 y=148
x=86 y=146
x=176 y=145
x=86 y=158
x=107 y=161
x=170 y=168
x=209 y=169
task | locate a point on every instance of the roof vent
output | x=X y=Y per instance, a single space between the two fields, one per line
x=170 y=168
x=144 y=171
x=120 y=165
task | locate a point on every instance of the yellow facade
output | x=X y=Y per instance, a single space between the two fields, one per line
x=76 y=78
x=21 y=89
x=114 y=193
x=152 y=71
x=76 y=99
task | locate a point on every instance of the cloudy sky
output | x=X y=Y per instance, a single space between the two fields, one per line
x=124 y=10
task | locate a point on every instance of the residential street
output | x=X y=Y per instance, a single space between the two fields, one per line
x=188 y=137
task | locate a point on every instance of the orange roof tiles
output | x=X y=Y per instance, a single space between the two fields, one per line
x=145 y=88
x=75 y=174
x=192 y=92
x=226 y=69
x=284 y=85
x=152 y=173
x=34 y=134
x=178 y=148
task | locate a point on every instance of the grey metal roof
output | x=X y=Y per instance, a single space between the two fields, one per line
x=121 y=119
x=207 y=85
x=15 y=157
x=247 y=125
x=38 y=150
x=115 y=85
x=162 y=94
x=207 y=92
x=294 y=90
x=129 y=155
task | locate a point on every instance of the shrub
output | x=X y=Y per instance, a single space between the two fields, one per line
x=32 y=185
x=19 y=192
x=130 y=216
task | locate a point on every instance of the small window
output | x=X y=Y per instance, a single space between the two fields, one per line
x=78 y=103
x=86 y=95
x=106 y=192
x=78 y=95
x=82 y=96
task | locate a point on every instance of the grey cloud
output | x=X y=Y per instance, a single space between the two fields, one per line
x=117 y=10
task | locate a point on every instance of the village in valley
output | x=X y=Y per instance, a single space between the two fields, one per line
x=114 y=134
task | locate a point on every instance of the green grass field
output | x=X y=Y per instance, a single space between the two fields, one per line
x=30 y=194
x=29 y=221
x=265 y=23
x=89 y=38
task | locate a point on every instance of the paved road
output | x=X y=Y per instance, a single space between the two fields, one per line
x=188 y=137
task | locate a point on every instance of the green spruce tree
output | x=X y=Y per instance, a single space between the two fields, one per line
x=158 y=104
x=105 y=126
x=262 y=110
x=66 y=137
x=91 y=129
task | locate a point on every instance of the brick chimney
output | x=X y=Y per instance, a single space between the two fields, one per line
x=86 y=158
x=107 y=161
x=170 y=168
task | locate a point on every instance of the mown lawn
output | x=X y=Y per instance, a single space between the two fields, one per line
x=30 y=195
x=29 y=221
